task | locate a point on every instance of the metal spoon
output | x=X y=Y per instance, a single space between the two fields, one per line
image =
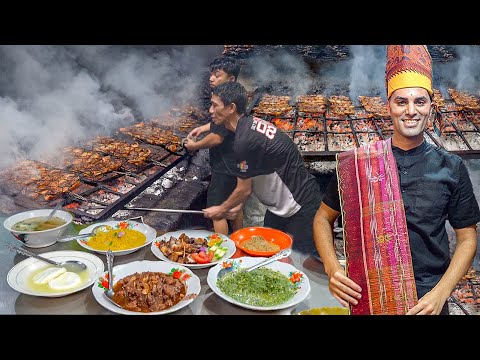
x=70 y=265
x=109 y=292
x=96 y=230
x=280 y=255
x=59 y=205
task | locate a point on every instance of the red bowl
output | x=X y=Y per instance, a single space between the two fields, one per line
x=272 y=235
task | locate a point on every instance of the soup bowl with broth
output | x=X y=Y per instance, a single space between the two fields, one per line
x=30 y=227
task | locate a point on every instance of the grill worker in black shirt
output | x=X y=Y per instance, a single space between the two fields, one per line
x=220 y=144
x=434 y=185
x=269 y=164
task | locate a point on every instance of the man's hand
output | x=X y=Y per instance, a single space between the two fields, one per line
x=233 y=212
x=189 y=143
x=215 y=212
x=429 y=304
x=343 y=288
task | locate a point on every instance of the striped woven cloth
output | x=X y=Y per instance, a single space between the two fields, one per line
x=375 y=230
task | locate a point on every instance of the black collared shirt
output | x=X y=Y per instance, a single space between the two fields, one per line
x=435 y=187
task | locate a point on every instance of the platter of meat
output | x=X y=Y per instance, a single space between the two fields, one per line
x=185 y=247
x=148 y=288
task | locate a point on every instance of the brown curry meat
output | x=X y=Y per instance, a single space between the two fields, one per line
x=148 y=292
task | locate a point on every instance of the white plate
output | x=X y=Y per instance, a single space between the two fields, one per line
x=120 y=271
x=149 y=232
x=18 y=276
x=286 y=269
x=195 y=234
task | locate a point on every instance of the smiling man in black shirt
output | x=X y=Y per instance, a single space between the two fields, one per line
x=434 y=186
x=269 y=164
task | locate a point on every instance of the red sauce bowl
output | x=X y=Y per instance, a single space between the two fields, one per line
x=272 y=235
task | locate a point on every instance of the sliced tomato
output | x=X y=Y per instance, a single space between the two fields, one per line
x=202 y=257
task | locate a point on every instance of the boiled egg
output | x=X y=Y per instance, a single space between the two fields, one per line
x=65 y=281
x=48 y=274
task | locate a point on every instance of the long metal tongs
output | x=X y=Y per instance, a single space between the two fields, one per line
x=166 y=210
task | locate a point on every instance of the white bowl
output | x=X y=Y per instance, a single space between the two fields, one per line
x=38 y=239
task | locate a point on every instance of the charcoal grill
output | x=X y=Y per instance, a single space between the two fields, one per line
x=325 y=141
x=98 y=199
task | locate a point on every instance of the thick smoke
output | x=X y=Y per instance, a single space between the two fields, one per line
x=55 y=96
x=367 y=71
x=281 y=68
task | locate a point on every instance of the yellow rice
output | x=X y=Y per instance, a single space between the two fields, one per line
x=117 y=239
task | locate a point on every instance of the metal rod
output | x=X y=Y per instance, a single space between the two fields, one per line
x=166 y=210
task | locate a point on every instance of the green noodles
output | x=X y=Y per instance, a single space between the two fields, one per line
x=259 y=287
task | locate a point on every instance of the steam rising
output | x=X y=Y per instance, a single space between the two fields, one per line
x=55 y=96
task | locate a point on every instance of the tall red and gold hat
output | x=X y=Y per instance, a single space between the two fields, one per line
x=408 y=66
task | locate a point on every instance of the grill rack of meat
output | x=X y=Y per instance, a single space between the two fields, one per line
x=321 y=135
x=93 y=181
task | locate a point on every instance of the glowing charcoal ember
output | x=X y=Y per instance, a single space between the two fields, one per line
x=365 y=138
x=283 y=124
x=340 y=142
x=384 y=124
x=309 y=141
x=363 y=125
x=310 y=124
x=338 y=126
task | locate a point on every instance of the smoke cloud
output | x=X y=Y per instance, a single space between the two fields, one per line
x=55 y=96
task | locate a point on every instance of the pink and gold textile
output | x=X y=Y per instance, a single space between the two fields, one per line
x=375 y=230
